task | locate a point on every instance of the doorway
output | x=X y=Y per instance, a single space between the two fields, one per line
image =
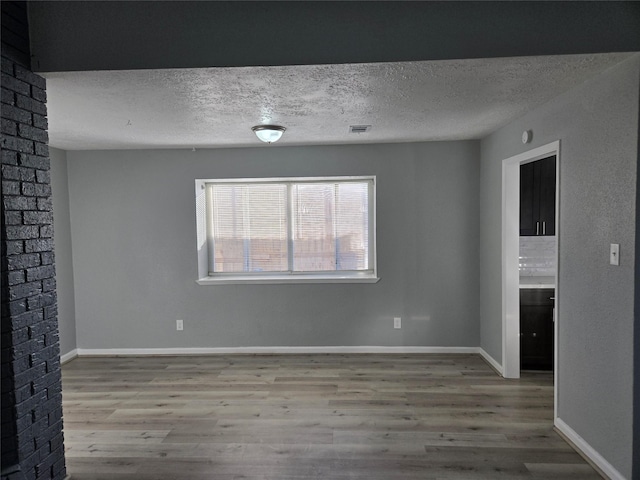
x=510 y=260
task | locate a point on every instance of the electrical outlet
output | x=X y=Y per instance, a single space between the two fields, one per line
x=179 y=325
x=397 y=322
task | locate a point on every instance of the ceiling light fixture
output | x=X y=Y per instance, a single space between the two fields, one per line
x=268 y=133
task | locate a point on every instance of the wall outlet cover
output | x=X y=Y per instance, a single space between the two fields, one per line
x=397 y=322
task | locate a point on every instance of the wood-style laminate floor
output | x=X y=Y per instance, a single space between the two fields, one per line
x=272 y=417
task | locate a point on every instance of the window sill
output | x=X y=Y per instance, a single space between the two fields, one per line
x=286 y=279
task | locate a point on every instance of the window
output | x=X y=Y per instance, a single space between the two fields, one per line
x=286 y=230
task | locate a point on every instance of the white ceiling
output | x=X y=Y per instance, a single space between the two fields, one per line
x=216 y=107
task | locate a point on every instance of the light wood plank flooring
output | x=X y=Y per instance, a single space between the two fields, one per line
x=272 y=417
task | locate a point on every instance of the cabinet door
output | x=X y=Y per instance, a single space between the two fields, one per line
x=536 y=337
x=547 y=196
x=538 y=197
x=536 y=329
x=528 y=214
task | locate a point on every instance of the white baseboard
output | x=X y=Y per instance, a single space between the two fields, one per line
x=491 y=361
x=270 y=350
x=67 y=357
x=588 y=451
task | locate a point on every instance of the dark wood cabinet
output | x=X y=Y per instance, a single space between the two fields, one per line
x=536 y=329
x=538 y=197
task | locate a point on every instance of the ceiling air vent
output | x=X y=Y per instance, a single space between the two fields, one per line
x=359 y=128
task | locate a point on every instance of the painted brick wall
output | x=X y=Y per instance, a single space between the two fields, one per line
x=32 y=439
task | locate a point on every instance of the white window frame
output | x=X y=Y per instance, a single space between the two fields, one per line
x=205 y=240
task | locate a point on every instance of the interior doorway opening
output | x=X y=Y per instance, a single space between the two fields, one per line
x=511 y=260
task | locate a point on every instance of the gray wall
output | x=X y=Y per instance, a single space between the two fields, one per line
x=62 y=240
x=134 y=251
x=597 y=125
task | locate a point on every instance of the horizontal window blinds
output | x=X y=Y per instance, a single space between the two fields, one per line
x=299 y=227
x=330 y=226
x=250 y=230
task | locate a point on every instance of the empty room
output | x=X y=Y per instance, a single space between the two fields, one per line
x=300 y=240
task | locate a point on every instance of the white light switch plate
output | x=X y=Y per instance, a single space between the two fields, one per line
x=614 y=254
x=397 y=322
x=179 y=325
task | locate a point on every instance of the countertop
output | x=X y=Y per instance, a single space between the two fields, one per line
x=537 y=282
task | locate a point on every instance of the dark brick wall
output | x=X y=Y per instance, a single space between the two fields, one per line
x=31 y=385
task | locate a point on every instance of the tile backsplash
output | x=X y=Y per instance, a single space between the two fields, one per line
x=538 y=256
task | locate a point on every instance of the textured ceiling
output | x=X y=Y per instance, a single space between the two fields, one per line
x=216 y=107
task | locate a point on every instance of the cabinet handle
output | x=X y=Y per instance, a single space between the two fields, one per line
x=537 y=228
x=544 y=228
x=552 y=298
